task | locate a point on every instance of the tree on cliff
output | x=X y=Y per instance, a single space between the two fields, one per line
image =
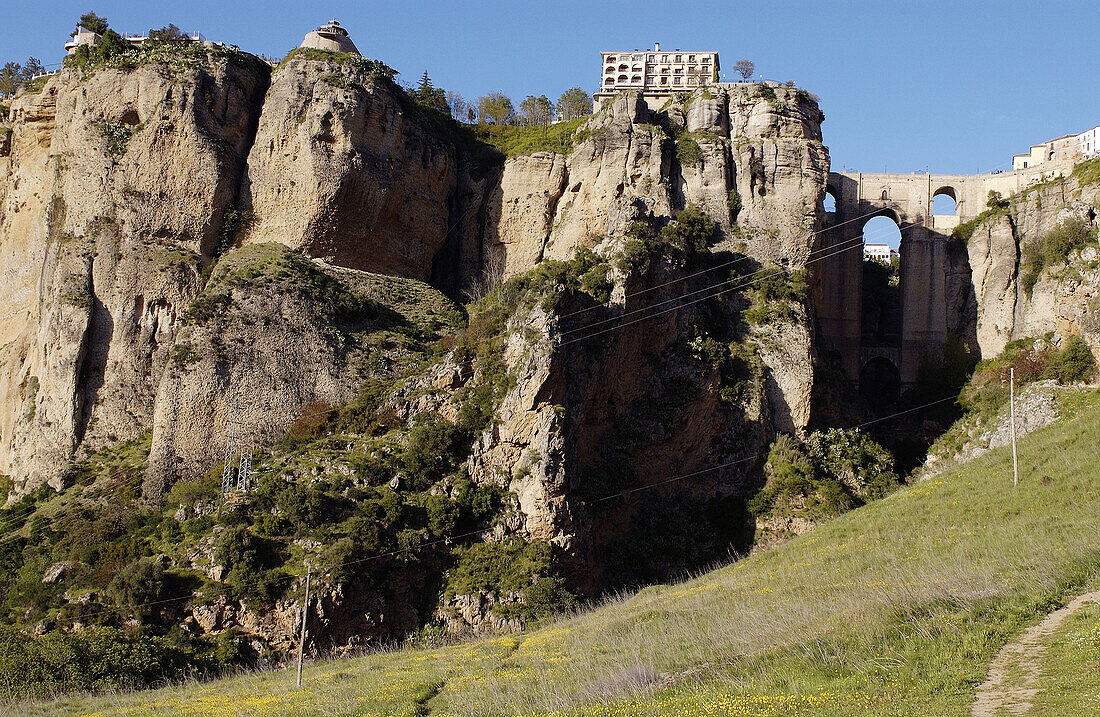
x=11 y=77
x=166 y=36
x=459 y=106
x=431 y=96
x=495 y=108
x=32 y=68
x=93 y=22
x=574 y=103
x=745 y=68
x=537 y=111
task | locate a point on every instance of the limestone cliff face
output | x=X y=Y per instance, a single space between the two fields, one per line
x=764 y=144
x=1063 y=299
x=343 y=170
x=118 y=191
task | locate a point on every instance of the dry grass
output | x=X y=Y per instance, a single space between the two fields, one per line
x=894 y=608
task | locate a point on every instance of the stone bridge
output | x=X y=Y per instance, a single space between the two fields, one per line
x=934 y=275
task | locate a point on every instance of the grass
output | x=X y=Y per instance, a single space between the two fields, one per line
x=1069 y=681
x=892 y=609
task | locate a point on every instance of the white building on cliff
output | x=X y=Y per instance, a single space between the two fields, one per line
x=657 y=73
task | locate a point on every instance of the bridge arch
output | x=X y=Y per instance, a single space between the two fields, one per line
x=880 y=382
x=949 y=205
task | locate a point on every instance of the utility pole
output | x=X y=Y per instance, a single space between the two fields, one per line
x=1012 y=420
x=305 y=614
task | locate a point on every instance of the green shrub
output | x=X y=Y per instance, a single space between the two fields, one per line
x=854 y=459
x=792 y=478
x=250 y=561
x=1073 y=364
x=733 y=201
x=136 y=586
x=690 y=232
x=765 y=92
x=1052 y=248
x=508 y=566
x=688 y=151
x=91 y=660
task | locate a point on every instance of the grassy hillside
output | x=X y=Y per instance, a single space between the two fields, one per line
x=892 y=609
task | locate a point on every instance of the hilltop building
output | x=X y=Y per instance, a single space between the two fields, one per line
x=330 y=37
x=882 y=253
x=657 y=73
x=84 y=36
x=1066 y=149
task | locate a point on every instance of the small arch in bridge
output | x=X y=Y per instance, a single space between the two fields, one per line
x=883 y=228
x=830 y=201
x=945 y=202
x=885 y=195
x=880 y=382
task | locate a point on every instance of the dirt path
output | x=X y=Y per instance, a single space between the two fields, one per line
x=1013 y=673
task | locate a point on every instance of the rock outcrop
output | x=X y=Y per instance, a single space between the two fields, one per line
x=1065 y=294
x=765 y=145
x=120 y=185
x=344 y=169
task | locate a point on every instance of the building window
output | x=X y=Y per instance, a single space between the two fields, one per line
x=610 y=58
x=664 y=80
x=664 y=58
x=664 y=70
x=609 y=80
x=622 y=78
x=885 y=195
x=636 y=79
x=676 y=80
x=691 y=58
x=610 y=70
x=679 y=58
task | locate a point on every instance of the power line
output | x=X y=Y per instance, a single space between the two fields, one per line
x=727 y=263
x=695 y=301
x=452 y=538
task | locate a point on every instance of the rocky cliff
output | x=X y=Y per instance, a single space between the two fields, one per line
x=205 y=258
x=118 y=192
x=1033 y=263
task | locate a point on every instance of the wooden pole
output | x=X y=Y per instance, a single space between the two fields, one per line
x=1012 y=420
x=305 y=614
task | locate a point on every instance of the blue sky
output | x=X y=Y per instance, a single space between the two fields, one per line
x=905 y=85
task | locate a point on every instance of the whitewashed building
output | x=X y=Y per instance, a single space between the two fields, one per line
x=657 y=73
x=882 y=253
x=1088 y=143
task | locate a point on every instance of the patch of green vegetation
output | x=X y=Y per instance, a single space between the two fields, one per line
x=1087 y=172
x=774 y=292
x=986 y=392
x=515 y=140
x=733 y=201
x=794 y=488
x=835 y=471
x=117 y=135
x=113 y=52
x=1053 y=248
x=32 y=394
x=996 y=206
x=372 y=68
x=183 y=355
x=688 y=151
x=765 y=92
x=930 y=579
